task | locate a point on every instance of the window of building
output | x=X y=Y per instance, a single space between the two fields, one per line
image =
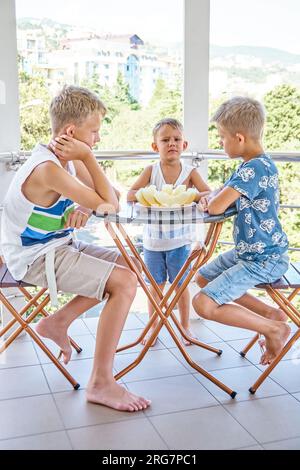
x=75 y=50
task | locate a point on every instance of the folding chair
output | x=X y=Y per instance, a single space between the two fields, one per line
x=37 y=305
x=290 y=281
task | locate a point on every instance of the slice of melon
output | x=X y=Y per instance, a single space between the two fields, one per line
x=167 y=188
x=181 y=199
x=140 y=198
x=179 y=189
x=163 y=199
x=148 y=195
x=191 y=194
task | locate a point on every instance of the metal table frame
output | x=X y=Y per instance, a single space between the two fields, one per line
x=114 y=223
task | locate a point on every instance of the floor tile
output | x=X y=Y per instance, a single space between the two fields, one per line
x=78 y=328
x=91 y=324
x=172 y=394
x=240 y=379
x=228 y=333
x=132 y=323
x=26 y=416
x=130 y=336
x=287 y=374
x=257 y=447
x=160 y=363
x=80 y=370
x=86 y=342
x=49 y=441
x=203 y=334
x=76 y=412
x=210 y=360
x=269 y=419
x=22 y=381
x=297 y=396
x=19 y=353
x=208 y=428
x=287 y=444
x=134 y=434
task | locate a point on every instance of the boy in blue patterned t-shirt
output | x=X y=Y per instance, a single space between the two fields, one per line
x=260 y=253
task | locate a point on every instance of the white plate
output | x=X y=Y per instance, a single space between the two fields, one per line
x=163 y=209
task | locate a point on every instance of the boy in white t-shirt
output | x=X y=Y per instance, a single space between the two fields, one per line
x=165 y=257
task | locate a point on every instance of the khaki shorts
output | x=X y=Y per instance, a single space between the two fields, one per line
x=80 y=268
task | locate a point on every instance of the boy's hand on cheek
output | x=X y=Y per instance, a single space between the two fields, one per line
x=68 y=148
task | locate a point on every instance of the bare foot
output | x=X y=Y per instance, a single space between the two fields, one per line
x=273 y=314
x=144 y=341
x=48 y=328
x=274 y=343
x=189 y=333
x=115 y=396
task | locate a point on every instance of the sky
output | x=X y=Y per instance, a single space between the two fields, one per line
x=269 y=23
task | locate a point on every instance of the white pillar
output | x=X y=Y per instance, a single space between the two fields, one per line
x=9 y=113
x=196 y=75
x=196 y=84
x=9 y=94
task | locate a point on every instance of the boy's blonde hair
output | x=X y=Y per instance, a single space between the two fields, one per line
x=73 y=105
x=167 y=122
x=241 y=114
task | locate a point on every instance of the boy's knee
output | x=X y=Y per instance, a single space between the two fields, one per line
x=129 y=282
x=204 y=306
x=122 y=281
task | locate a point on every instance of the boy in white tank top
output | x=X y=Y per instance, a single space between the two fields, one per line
x=38 y=219
x=164 y=258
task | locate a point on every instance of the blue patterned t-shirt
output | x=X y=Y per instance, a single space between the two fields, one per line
x=257 y=230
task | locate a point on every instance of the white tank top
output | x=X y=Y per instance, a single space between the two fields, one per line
x=167 y=243
x=28 y=230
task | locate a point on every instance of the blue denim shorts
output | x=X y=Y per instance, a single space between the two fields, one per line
x=165 y=265
x=230 y=277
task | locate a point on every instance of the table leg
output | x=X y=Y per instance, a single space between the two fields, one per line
x=201 y=258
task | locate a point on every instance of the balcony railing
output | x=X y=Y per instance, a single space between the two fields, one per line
x=13 y=160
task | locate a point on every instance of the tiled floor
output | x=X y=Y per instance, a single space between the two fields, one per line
x=39 y=409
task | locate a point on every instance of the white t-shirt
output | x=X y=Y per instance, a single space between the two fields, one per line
x=28 y=230
x=168 y=242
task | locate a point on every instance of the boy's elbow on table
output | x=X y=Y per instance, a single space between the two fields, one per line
x=100 y=205
x=214 y=208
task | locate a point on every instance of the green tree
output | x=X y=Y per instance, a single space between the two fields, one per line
x=122 y=94
x=283 y=118
x=165 y=101
x=283 y=133
x=34 y=116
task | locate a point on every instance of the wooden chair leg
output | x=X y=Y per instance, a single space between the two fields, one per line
x=24 y=325
x=255 y=338
x=249 y=345
x=274 y=363
x=77 y=348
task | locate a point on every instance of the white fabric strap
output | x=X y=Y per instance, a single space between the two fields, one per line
x=51 y=279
